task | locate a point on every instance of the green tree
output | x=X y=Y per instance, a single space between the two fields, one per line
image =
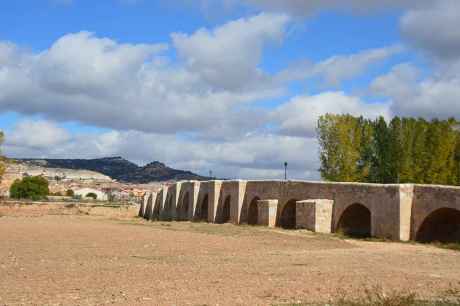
x=365 y=149
x=32 y=187
x=441 y=144
x=396 y=149
x=406 y=150
x=381 y=164
x=343 y=144
x=456 y=169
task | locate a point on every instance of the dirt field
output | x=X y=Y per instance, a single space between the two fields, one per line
x=104 y=256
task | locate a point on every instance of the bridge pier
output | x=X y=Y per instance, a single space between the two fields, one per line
x=315 y=215
x=267 y=212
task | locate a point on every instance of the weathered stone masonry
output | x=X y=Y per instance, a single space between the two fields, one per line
x=399 y=212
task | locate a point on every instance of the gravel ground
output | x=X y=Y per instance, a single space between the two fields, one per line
x=71 y=256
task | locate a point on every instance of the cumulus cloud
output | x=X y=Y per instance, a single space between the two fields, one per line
x=308 y=7
x=29 y=136
x=433 y=29
x=415 y=96
x=339 y=68
x=299 y=116
x=101 y=82
x=228 y=57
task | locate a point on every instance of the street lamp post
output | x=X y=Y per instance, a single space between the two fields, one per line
x=285 y=170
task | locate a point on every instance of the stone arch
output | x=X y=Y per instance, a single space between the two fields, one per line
x=142 y=208
x=224 y=216
x=168 y=208
x=156 y=208
x=253 y=211
x=184 y=207
x=442 y=225
x=355 y=221
x=148 y=207
x=287 y=217
x=203 y=209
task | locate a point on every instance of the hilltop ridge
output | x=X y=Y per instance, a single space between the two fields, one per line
x=120 y=169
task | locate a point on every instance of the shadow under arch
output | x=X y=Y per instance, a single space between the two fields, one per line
x=442 y=225
x=156 y=208
x=287 y=219
x=168 y=208
x=224 y=211
x=184 y=207
x=253 y=211
x=355 y=221
x=203 y=209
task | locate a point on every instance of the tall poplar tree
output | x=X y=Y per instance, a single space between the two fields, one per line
x=381 y=167
x=396 y=149
x=406 y=150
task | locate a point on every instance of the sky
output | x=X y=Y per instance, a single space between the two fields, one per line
x=229 y=86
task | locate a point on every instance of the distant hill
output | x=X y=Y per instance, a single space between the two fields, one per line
x=120 y=169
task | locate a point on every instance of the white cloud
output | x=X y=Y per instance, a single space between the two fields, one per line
x=434 y=29
x=101 y=82
x=37 y=135
x=431 y=28
x=299 y=116
x=308 y=7
x=414 y=96
x=400 y=81
x=228 y=57
x=339 y=68
x=254 y=156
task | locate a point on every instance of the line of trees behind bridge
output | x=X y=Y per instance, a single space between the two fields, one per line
x=405 y=150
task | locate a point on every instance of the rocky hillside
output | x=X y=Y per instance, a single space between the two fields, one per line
x=120 y=169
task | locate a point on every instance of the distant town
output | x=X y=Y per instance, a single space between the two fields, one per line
x=77 y=179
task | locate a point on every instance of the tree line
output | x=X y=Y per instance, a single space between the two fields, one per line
x=404 y=150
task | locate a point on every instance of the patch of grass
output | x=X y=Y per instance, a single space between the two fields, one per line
x=342 y=235
x=376 y=297
x=450 y=246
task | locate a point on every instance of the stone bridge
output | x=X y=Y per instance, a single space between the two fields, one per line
x=397 y=212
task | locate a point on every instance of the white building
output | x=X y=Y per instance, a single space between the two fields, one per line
x=83 y=193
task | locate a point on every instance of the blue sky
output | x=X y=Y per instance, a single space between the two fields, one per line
x=232 y=86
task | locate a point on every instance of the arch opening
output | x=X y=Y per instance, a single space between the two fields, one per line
x=225 y=211
x=156 y=209
x=253 y=212
x=168 y=210
x=288 y=218
x=355 y=221
x=442 y=225
x=184 y=208
x=204 y=209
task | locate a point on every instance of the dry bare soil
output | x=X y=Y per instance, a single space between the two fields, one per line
x=52 y=255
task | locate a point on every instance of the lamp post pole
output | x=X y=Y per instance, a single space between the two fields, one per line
x=285 y=170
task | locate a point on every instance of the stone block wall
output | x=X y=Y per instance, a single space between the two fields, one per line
x=315 y=215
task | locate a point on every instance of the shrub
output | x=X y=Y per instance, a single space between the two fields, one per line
x=32 y=187
x=92 y=195
x=70 y=193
